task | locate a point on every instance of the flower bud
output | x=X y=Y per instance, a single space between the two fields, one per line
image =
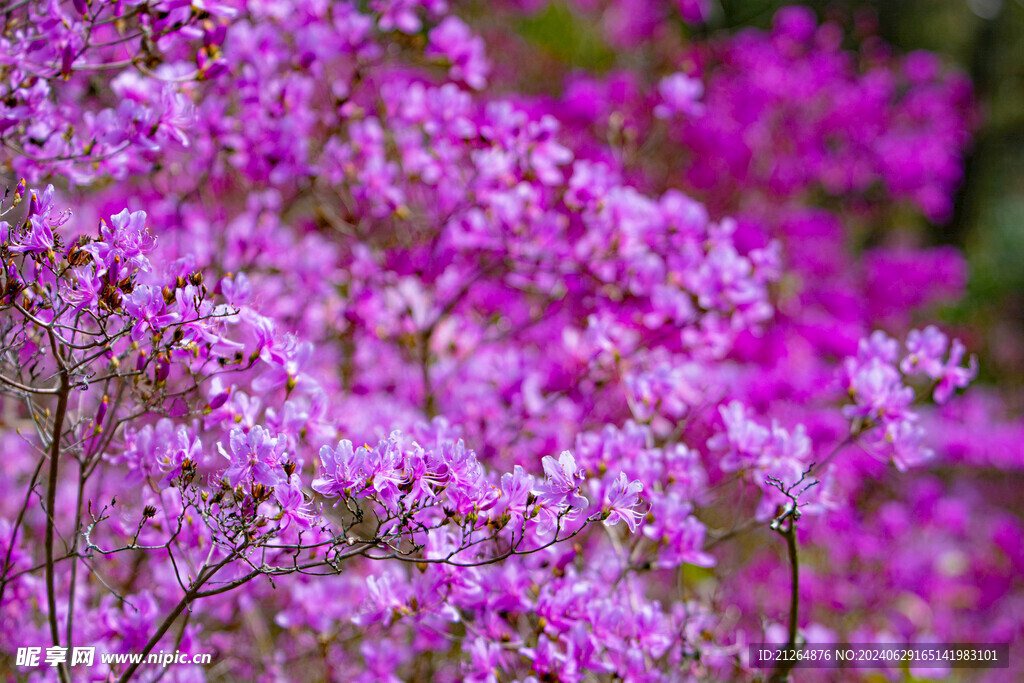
x=163 y=369
x=66 y=59
x=102 y=413
x=219 y=400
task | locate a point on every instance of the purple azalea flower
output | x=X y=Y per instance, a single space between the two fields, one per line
x=952 y=375
x=621 y=500
x=37 y=239
x=561 y=484
x=126 y=237
x=453 y=40
x=515 y=493
x=293 y=508
x=85 y=294
x=679 y=94
x=926 y=350
x=146 y=304
x=254 y=458
x=179 y=450
x=343 y=469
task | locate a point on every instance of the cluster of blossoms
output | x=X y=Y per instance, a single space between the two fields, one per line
x=881 y=398
x=241 y=421
x=94 y=316
x=867 y=123
x=94 y=309
x=52 y=54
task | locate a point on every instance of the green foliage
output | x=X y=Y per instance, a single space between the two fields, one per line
x=567 y=37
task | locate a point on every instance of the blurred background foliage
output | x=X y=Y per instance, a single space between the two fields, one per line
x=983 y=38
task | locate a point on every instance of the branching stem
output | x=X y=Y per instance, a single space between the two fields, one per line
x=51 y=500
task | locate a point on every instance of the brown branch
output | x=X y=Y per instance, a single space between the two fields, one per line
x=785 y=525
x=169 y=620
x=73 y=550
x=785 y=664
x=51 y=498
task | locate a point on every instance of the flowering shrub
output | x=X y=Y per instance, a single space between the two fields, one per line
x=349 y=361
